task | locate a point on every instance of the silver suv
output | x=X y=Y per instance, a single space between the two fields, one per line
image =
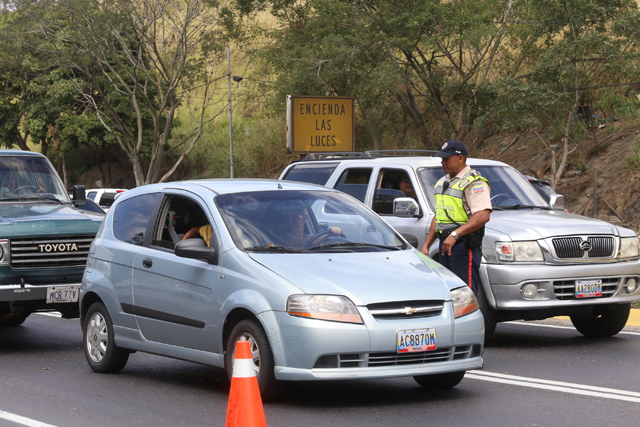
x=538 y=260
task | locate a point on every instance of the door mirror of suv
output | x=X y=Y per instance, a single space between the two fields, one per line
x=79 y=196
x=556 y=202
x=195 y=248
x=406 y=207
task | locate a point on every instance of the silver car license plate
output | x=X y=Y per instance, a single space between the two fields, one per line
x=416 y=340
x=588 y=288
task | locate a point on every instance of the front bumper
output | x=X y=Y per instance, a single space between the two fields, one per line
x=555 y=283
x=309 y=349
x=33 y=293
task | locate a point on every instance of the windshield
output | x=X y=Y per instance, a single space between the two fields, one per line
x=24 y=178
x=304 y=222
x=508 y=187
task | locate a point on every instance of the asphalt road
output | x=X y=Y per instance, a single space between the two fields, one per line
x=535 y=374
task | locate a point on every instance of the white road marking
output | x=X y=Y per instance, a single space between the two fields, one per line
x=23 y=420
x=561 y=327
x=585 y=390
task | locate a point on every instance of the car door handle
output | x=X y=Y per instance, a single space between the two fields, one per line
x=147 y=262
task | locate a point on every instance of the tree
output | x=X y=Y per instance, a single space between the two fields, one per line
x=135 y=62
x=460 y=63
x=32 y=91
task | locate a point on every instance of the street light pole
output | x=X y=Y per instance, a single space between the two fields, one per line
x=230 y=118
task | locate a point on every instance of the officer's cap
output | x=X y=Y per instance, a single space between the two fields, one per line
x=451 y=148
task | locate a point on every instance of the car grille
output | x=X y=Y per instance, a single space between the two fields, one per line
x=373 y=360
x=50 y=252
x=566 y=289
x=569 y=247
x=406 y=309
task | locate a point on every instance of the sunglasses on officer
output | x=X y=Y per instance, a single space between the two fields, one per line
x=405 y=179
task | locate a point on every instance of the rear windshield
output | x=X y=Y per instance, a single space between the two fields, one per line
x=316 y=173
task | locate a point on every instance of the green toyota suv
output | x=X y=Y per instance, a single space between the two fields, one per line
x=44 y=238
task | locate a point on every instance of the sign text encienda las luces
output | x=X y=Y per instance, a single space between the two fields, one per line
x=319 y=124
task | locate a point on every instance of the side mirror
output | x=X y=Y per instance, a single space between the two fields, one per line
x=406 y=207
x=556 y=201
x=79 y=197
x=195 y=248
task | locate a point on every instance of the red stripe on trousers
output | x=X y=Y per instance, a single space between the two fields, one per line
x=470 y=265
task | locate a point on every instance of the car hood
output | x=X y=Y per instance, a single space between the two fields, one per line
x=28 y=219
x=534 y=224
x=365 y=277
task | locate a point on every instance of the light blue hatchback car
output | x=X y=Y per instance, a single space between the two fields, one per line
x=321 y=287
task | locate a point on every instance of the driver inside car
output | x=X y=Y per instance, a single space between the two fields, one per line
x=292 y=230
x=202 y=231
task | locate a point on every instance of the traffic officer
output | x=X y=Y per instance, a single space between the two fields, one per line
x=463 y=207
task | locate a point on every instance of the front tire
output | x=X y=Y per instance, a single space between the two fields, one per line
x=440 y=381
x=605 y=324
x=249 y=330
x=490 y=315
x=99 y=346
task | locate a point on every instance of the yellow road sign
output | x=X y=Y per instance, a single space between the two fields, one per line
x=320 y=124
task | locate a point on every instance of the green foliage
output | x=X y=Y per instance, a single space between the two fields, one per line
x=517 y=106
x=633 y=160
x=259 y=150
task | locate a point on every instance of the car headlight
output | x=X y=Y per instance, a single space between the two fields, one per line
x=464 y=301
x=518 y=251
x=3 y=250
x=324 y=307
x=629 y=247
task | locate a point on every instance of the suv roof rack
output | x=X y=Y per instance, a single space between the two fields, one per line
x=370 y=154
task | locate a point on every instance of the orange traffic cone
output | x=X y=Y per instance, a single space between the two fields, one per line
x=245 y=404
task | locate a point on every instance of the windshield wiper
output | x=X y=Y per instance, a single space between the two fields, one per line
x=352 y=244
x=499 y=208
x=273 y=248
x=43 y=196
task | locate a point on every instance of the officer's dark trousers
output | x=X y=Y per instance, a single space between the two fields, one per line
x=464 y=263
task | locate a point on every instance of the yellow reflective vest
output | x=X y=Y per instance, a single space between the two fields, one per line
x=450 y=213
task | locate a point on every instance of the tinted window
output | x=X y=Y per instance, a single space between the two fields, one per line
x=312 y=173
x=391 y=184
x=131 y=217
x=178 y=215
x=354 y=182
x=107 y=199
x=92 y=195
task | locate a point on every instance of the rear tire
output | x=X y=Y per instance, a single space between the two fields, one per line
x=249 y=330
x=99 y=346
x=607 y=324
x=440 y=381
x=490 y=315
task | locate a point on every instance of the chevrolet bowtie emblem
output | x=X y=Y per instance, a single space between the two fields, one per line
x=408 y=310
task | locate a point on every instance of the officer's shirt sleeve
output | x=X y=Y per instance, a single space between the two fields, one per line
x=478 y=196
